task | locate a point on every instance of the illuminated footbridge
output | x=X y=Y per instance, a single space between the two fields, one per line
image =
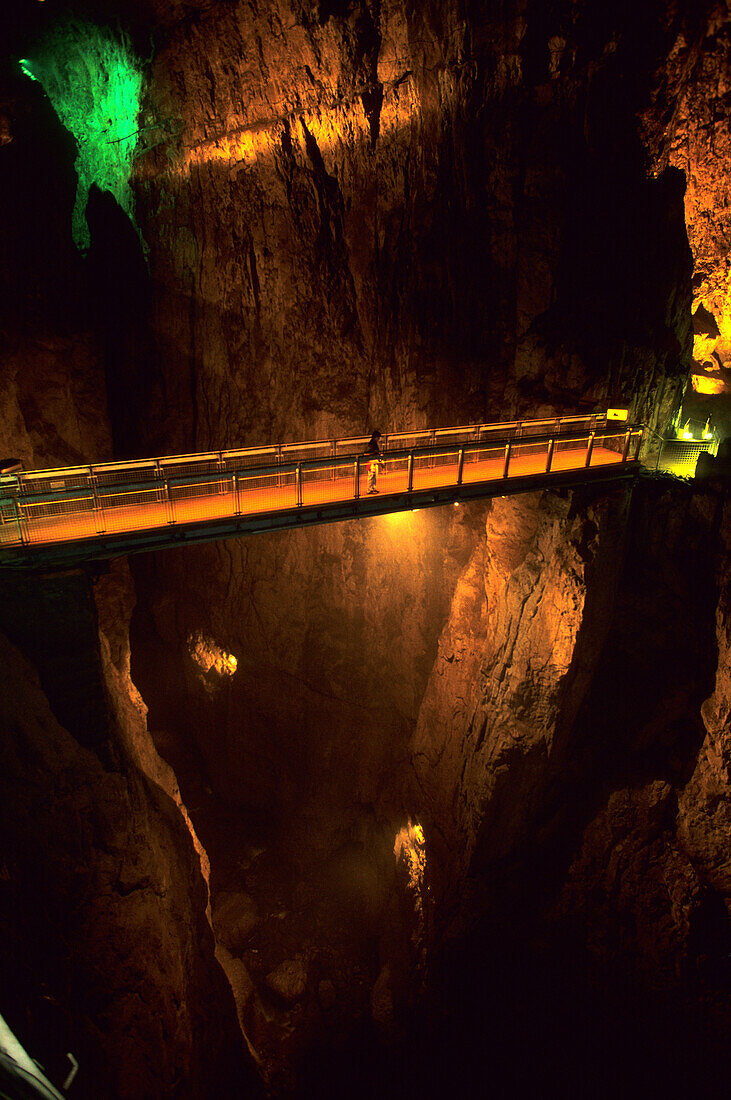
x=67 y=516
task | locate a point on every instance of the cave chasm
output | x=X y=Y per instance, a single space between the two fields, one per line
x=329 y=811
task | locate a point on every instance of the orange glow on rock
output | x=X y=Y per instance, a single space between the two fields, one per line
x=333 y=128
x=410 y=851
x=703 y=384
x=209 y=657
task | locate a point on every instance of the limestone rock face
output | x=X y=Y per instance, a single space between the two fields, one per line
x=704 y=806
x=688 y=126
x=102 y=895
x=234 y=918
x=289 y=980
x=333 y=632
x=403 y=215
x=376 y=215
x=573 y=801
x=514 y=663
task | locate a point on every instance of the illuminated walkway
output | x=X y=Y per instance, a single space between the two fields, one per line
x=81 y=513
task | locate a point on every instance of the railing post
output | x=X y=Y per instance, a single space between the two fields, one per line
x=639 y=445
x=22 y=533
x=411 y=472
x=237 y=494
x=627 y=441
x=333 y=455
x=169 y=499
x=506 y=464
x=356 y=494
x=589 y=449
x=99 y=520
x=549 y=457
x=460 y=467
x=298 y=484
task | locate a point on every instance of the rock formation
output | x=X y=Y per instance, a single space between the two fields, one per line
x=429 y=758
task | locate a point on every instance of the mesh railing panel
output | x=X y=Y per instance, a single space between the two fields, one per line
x=52 y=481
x=134 y=508
x=65 y=518
x=245 y=460
x=445 y=436
x=680 y=456
x=435 y=469
x=327 y=483
x=351 y=446
x=613 y=443
x=196 y=490
x=190 y=467
x=527 y=459
x=483 y=464
x=409 y=441
x=129 y=473
x=266 y=492
x=306 y=452
x=9 y=523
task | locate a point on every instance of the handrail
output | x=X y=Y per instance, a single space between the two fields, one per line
x=111 y=488
x=213 y=456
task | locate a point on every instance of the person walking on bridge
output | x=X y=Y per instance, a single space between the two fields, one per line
x=374 y=460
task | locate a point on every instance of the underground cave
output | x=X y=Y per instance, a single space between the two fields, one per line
x=340 y=792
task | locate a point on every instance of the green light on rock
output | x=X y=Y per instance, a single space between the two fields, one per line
x=94 y=82
x=26 y=69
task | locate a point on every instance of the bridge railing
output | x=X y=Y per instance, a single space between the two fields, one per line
x=83 y=502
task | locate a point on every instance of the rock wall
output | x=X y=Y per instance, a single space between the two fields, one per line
x=687 y=126
x=387 y=215
x=380 y=214
x=571 y=779
x=107 y=948
x=396 y=214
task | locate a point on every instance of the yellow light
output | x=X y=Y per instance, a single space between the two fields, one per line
x=409 y=850
x=703 y=347
x=617 y=414
x=703 y=384
x=210 y=657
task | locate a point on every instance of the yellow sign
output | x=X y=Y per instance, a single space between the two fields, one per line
x=617 y=414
